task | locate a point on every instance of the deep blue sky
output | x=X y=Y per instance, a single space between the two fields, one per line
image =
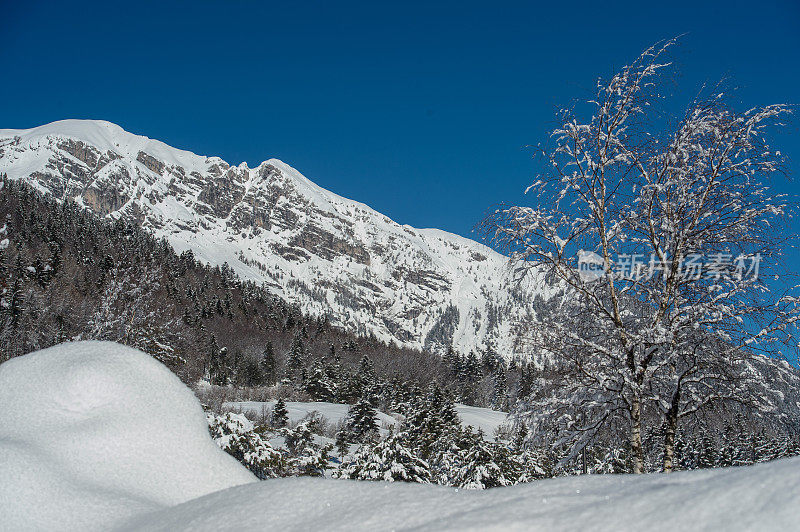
x=421 y=110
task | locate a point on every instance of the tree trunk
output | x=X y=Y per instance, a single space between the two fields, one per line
x=669 y=444
x=636 y=435
x=670 y=430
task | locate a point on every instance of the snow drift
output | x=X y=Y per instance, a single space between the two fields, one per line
x=763 y=497
x=93 y=432
x=97 y=436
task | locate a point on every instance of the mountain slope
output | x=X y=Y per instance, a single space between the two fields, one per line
x=332 y=256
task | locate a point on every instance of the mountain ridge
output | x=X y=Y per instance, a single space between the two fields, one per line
x=421 y=288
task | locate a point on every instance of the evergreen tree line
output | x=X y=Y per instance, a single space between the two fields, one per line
x=486 y=381
x=429 y=445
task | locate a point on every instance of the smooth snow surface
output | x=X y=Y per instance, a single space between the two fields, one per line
x=93 y=432
x=333 y=412
x=762 y=497
x=486 y=419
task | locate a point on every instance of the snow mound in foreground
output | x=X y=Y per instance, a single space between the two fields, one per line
x=762 y=497
x=94 y=432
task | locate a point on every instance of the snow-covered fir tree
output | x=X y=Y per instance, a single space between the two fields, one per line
x=362 y=422
x=479 y=464
x=280 y=415
x=392 y=460
x=305 y=457
x=235 y=434
x=318 y=385
x=268 y=364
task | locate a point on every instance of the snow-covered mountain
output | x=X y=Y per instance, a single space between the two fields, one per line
x=328 y=254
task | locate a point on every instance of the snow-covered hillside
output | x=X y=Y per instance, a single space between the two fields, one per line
x=330 y=255
x=97 y=436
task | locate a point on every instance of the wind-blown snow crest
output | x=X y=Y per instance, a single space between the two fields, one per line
x=107 y=136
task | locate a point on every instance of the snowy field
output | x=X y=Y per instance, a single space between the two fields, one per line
x=97 y=436
x=335 y=413
x=479 y=418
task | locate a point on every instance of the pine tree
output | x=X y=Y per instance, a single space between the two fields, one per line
x=217 y=372
x=350 y=389
x=362 y=422
x=690 y=453
x=726 y=455
x=391 y=460
x=342 y=444
x=490 y=361
x=793 y=447
x=535 y=464
x=707 y=456
x=335 y=373
x=365 y=367
x=280 y=415
x=428 y=419
x=224 y=369
x=680 y=452
x=368 y=380
x=485 y=465
x=395 y=394
x=296 y=359
x=305 y=458
x=525 y=384
x=318 y=385
x=743 y=454
x=762 y=448
x=16 y=306
x=235 y=434
x=450 y=362
x=250 y=373
x=267 y=364
x=766 y=448
x=499 y=399
x=469 y=375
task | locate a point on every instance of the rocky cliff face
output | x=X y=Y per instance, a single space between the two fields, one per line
x=332 y=256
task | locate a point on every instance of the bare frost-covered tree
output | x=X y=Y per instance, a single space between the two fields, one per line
x=676 y=214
